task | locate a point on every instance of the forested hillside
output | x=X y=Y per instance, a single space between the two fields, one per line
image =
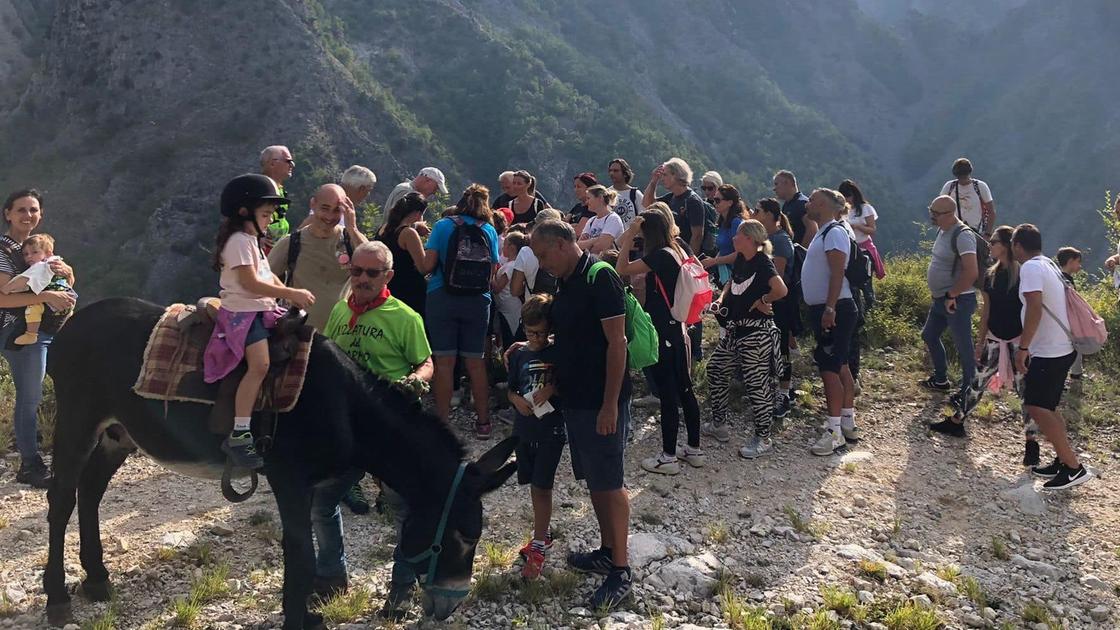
x=131 y=115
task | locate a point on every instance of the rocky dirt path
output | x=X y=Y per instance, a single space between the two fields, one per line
x=902 y=529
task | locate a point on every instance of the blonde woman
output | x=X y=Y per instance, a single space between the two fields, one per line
x=752 y=343
x=601 y=230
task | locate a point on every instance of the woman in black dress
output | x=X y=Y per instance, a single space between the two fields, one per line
x=408 y=284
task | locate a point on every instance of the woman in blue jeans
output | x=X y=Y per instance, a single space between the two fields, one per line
x=458 y=320
x=22 y=212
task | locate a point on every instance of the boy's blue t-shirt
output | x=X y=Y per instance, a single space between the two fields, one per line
x=530 y=370
x=441 y=234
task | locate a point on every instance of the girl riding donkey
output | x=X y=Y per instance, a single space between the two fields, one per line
x=249 y=309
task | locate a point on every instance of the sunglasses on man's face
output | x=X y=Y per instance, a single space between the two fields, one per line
x=371 y=272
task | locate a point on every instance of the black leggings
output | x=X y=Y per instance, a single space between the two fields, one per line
x=674 y=385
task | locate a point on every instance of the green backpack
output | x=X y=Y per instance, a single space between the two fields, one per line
x=641 y=336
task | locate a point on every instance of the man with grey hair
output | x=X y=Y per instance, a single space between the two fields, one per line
x=589 y=324
x=427 y=183
x=688 y=208
x=385 y=337
x=277 y=163
x=358 y=181
x=315 y=257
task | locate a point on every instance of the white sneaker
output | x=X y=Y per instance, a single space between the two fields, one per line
x=456 y=398
x=662 y=465
x=719 y=431
x=756 y=447
x=828 y=443
x=696 y=458
x=851 y=434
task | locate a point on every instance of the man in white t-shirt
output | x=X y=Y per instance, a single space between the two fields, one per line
x=629 y=197
x=975 y=205
x=832 y=315
x=1045 y=354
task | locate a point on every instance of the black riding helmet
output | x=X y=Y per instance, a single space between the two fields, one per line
x=244 y=191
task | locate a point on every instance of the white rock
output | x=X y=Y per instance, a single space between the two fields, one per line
x=1092 y=581
x=579 y=611
x=974 y=621
x=14 y=594
x=1028 y=499
x=178 y=539
x=922 y=601
x=693 y=574
x=1034 y=566
x=990 y=614
x=859 y=501
x=71 y=626
x=855 y=457
x=646 y=548
x=1100 y=614
x=221 y=529
x=912 y=543
x=943 y=587
x=866 y=597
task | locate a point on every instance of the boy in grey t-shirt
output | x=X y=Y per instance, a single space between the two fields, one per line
x=950 y=277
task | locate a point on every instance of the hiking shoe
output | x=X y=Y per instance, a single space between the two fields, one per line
x=1048 y=472
x=534 y=562
x=756 y=447
x=595 y=561
x=34 y=474
x=482 y=430
x=693 y=457
x=240 y=450
x=662 y=464
x=948 y=427
x=828 y=443
x=935 y=385
x=524 y=551
x=456 y=398
x=719 y=431
x=355 y=499
x=783 y=406
x=1067 y=478
x=613 y=591
x=396 y=602
x=1031 y=455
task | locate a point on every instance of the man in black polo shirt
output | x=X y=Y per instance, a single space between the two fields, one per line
x=793 y=206
x=589 y=315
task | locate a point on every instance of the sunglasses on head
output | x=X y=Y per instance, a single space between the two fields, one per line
x=371 y=272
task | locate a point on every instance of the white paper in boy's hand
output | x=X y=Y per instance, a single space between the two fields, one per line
x=541 y=410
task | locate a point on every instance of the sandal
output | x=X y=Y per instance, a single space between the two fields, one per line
x=482 y=430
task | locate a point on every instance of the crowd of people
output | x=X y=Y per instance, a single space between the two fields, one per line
x=564 y=296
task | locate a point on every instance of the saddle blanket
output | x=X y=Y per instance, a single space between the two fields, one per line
x=173 y=366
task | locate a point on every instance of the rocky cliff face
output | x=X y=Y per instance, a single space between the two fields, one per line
x=133 y=114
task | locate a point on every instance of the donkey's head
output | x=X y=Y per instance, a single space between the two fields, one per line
x=439 y=538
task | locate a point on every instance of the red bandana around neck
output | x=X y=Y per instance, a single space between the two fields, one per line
x=357 y=310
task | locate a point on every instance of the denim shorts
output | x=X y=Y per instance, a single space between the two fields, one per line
x=598 y=459
x=834 y=346
x=257 y=331
x=457 y=324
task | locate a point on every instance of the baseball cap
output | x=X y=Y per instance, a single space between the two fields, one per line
x=434 y=173
x=507 y=213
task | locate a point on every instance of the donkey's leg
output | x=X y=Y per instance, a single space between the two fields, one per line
x=74 y=439
x=293 y=499
x=110 y=453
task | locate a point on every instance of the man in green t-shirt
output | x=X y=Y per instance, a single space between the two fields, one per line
x=386 y=337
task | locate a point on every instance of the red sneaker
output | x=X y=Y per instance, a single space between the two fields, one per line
x=482 y=431
x=534 y=562
x=524 y=551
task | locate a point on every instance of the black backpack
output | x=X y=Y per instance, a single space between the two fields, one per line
x=859 y=269
x=469 y=264
x=295 y=241
x=711 y=226
x=983 y=253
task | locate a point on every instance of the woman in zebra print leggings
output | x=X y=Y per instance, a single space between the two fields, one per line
x=752 y=340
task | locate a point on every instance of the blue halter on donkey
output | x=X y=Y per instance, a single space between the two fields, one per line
x=432 y=552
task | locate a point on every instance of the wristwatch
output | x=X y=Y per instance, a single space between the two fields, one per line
x=830 y=309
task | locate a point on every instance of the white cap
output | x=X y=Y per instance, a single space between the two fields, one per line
x=434 y=173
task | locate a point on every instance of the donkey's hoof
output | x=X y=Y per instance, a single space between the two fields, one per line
x=97 y=591
x=59 y=615
x=313 y=621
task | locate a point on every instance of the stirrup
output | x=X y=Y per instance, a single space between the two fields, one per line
x=229 y=492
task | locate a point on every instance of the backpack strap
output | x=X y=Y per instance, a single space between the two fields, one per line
x=294 y=243
x=348 y=245
x=634 y=199
x=953 y=188
x=593 y=270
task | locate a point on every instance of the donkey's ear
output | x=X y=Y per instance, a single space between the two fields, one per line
x=491 y=481
x=495 y=457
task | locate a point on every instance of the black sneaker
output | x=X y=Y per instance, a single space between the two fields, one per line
x=34 y=474
x=355 y=499
x=937 y=386
x=948 y=427
x=1048 y=472
x=597 y=561
x=1067 y=478
x=1031 y=454
x=239 y=447
x=613 y=591
x=783 y=407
